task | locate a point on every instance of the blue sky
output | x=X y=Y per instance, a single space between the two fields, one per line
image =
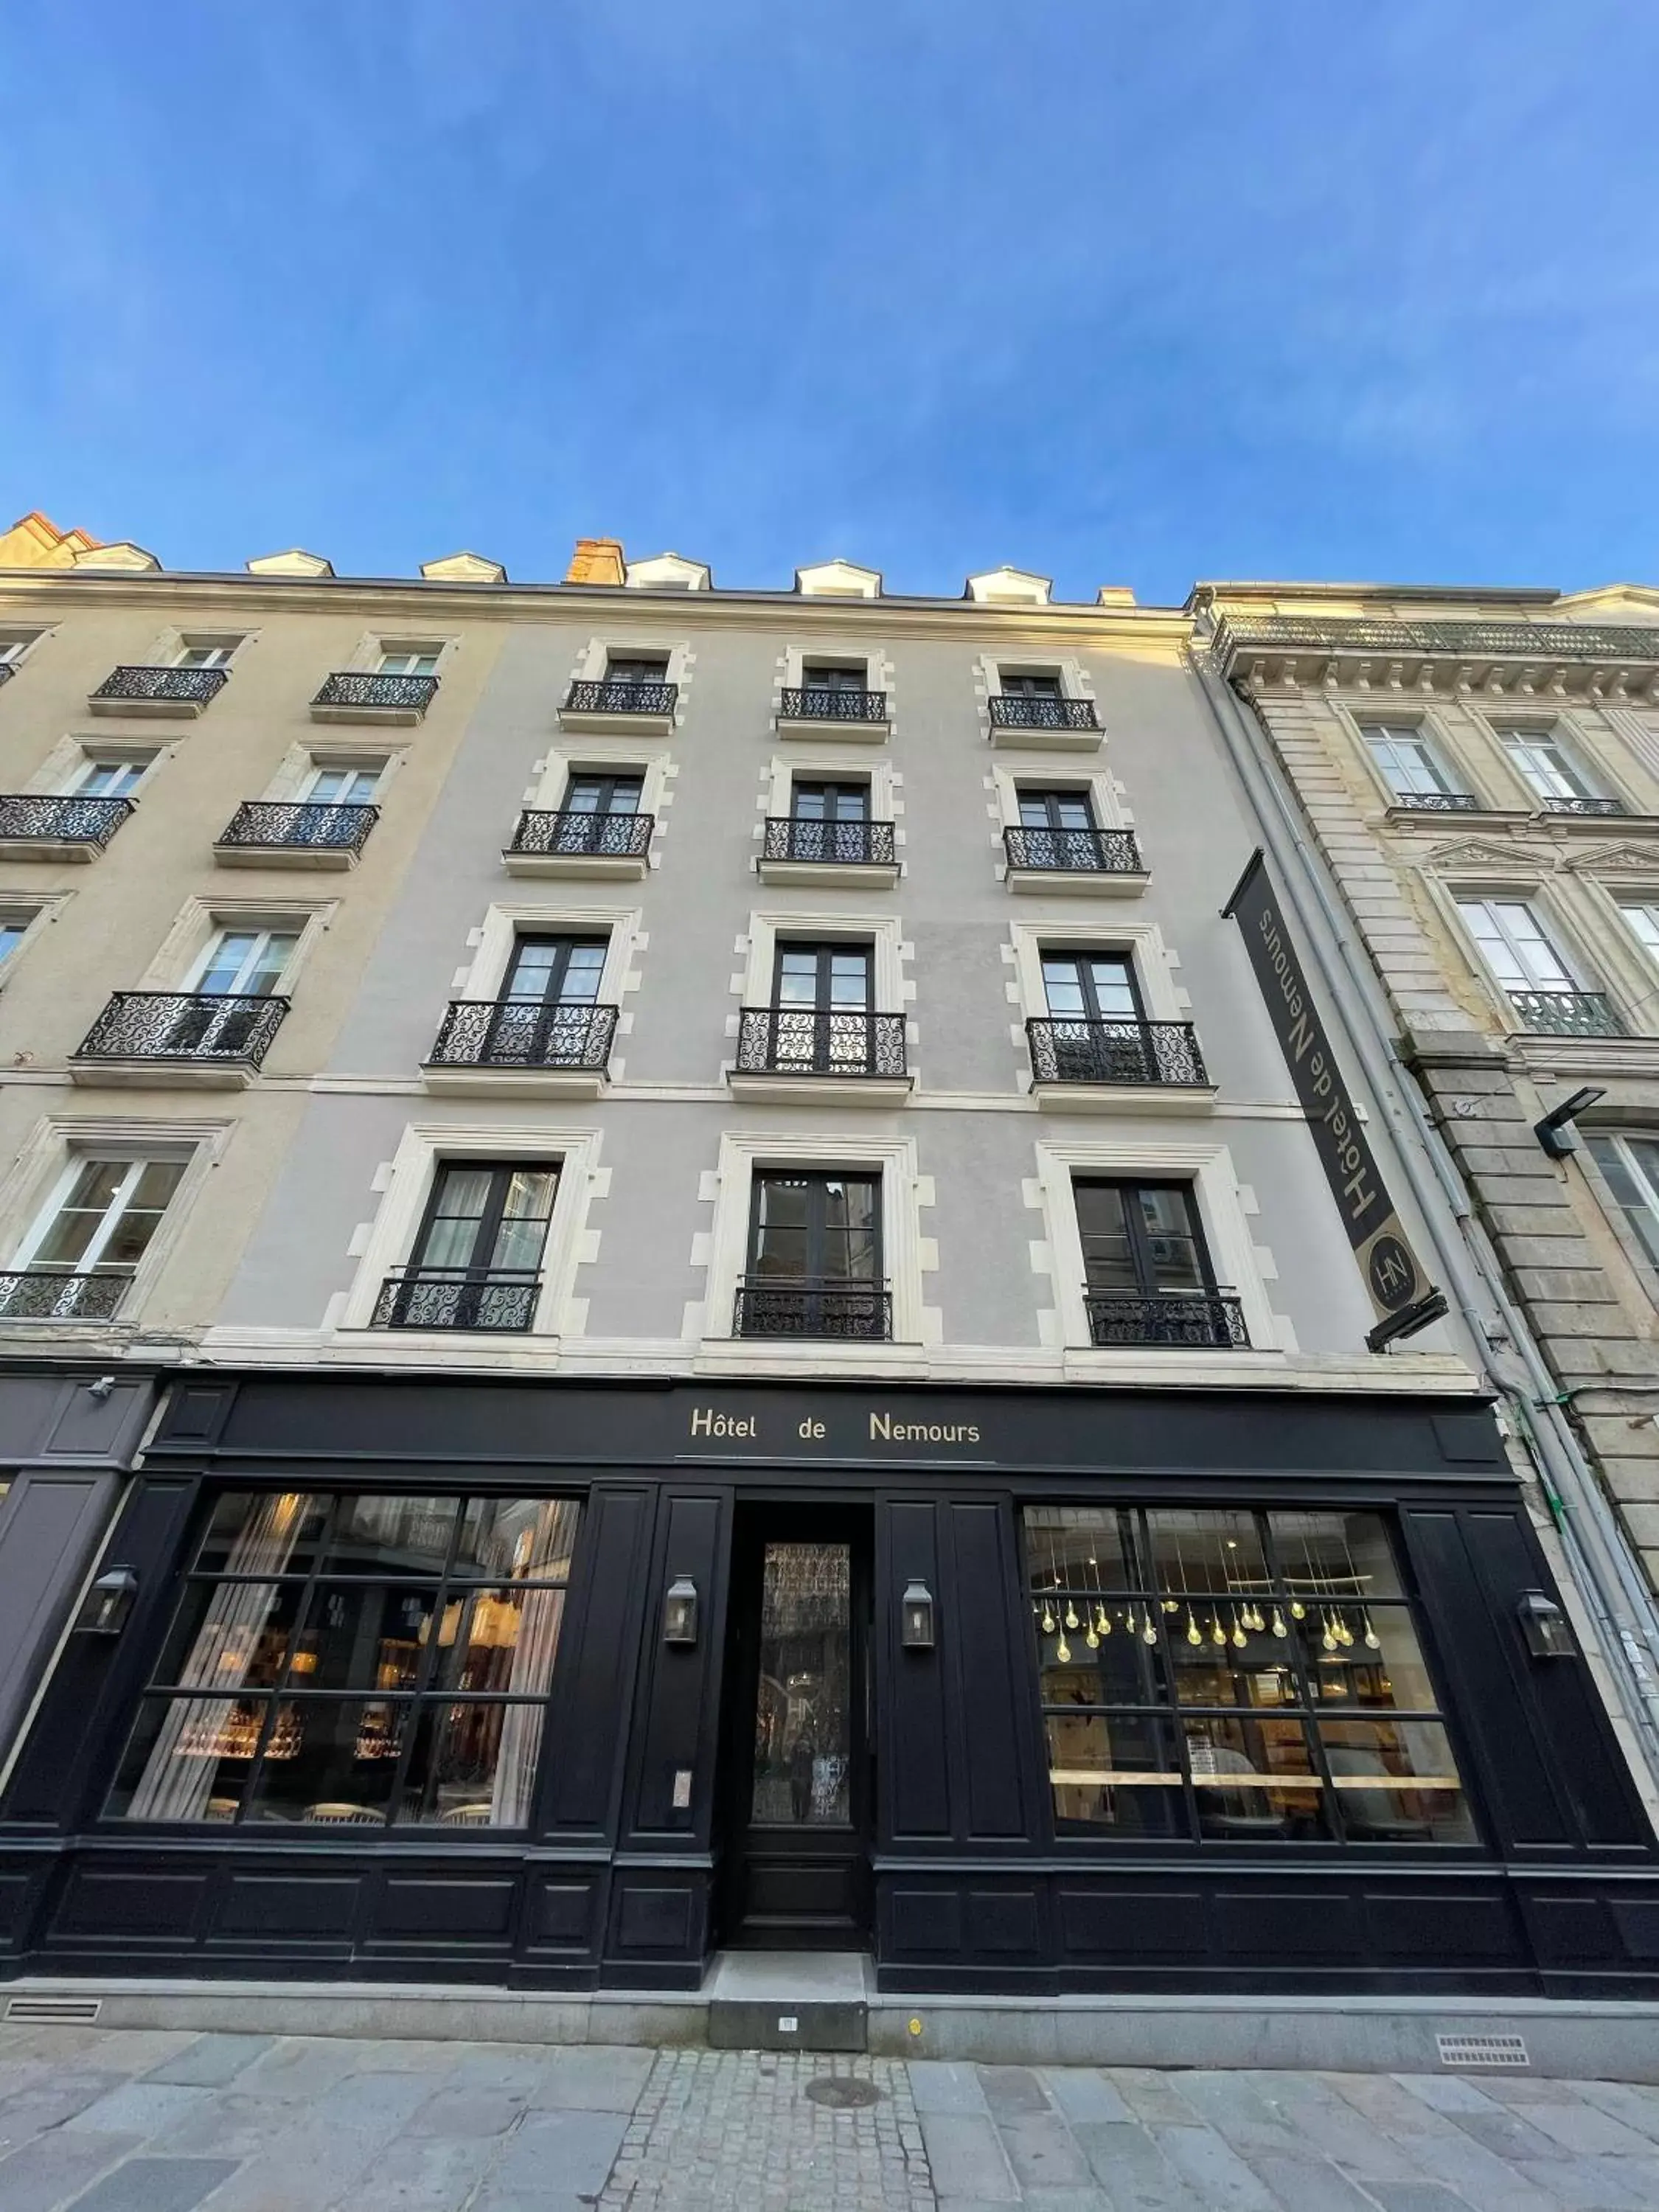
x=1133 y=291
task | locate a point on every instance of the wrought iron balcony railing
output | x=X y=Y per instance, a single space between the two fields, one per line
x=187 y=687
x=812 y=1305
x=458 y=1297
x=1091 y=852
x=369 y=692
x=69 y=821
x=850 y=844
x=1465 y=641
x=55 y=1294
x=820 y=703
x=1439 y=802
x=1064 y=1050
x=1582 y=806
x=1015 y=710
x=579 y=831
x=1198 y=1317
x=280 y=823
x=184 y=1026
x=802 y=1041
x=525 y=1033
x=1567 y=1013
x=620 y=696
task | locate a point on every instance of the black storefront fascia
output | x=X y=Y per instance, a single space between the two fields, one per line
x=617 y=1880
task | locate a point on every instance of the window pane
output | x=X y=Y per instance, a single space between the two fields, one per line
x=1365 y=1656
x=1115 y=993
x=1116 y=1770
x=1254 y=1780
x=500 y=1641
x=1170 y=1236
x=1630 y=1165
x=188 y=1759
x=263 y=1533
x=365 y=1636
x=803 y=1709
x=403 y=1536
x=1395 y=1781
x=520 y=1537
x=1081 y=1547
x=462 y=1193
x=1214 y=1557
x=331 y=1762
x=232 y=1636
x=1062 y=988
x=1095 y=1651
x=1326 y=1556
x=473 y=1767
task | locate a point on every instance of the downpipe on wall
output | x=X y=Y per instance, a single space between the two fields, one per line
x=1609 y=1580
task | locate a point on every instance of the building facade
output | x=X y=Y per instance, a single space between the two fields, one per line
x=726 y=1325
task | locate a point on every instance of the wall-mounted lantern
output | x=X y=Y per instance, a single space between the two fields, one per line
x=679 y=1611
x=1555 y=1132
x=916 y=1617
x=105 y=1608
x=1546 y=1627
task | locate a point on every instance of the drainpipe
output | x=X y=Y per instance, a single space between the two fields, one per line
x=1609 y=1579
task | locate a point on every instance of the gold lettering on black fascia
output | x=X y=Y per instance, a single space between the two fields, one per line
x=883 y=1429
x=706 y=1422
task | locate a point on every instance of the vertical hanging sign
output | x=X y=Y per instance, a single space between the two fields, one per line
x=1404 y=1299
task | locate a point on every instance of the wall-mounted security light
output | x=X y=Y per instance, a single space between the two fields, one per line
x=1555 y=1132
x=105 y=1608
x=916 y=1617
x=679 y=1611
x=1546 y=1627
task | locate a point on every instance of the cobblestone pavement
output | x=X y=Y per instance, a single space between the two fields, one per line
x=118 y=2120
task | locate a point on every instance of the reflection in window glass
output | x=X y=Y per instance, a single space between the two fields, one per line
x=337 y=1661
x=1236 y=1676
x=803 y=1709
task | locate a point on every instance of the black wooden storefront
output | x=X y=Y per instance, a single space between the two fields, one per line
x=623 y=1876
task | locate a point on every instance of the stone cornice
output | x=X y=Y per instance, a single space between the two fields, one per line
x=50 y=594
x=1517 y=660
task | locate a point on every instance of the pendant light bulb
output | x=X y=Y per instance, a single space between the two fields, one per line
x=1048 y=1621
x=1327 y=1639
x=1373 y=1641
x=1071 y=1614
x=1091 y=1637
x=1240 y=1639
x=1217 y=1633
x=1279 y=1628
x=1193 y=1636
x=1148 y=1633
x=1063 y=1651
x=1298 y=1611
x=1130 y=1620
x=1344 y=1633
x=1102 y=1621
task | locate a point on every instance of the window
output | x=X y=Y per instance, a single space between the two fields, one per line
x=834 y=675
x=1547 y=764
x=247 y=963
x=95 y=1229
x=205 y=653
x=1235 y=1677
x=821 y=994
x=356 y=1662
x=544 y=1017
x=410 y=660
x=1644 y=919
x=828 y=802
x=14 y=644
x=814 y=1261
x=597 y=792
x=108 y=779
x=1629 y=1166
x=1091 y=986
x=477 y=1255
x=13 y=929
x=341 y=786
x=1406 y=761
x=1147 y=1272
x=1017 y=685
x=1054 y=810
x=635 y=668
x=1514 y=945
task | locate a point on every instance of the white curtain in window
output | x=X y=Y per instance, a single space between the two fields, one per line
x=532 y=1666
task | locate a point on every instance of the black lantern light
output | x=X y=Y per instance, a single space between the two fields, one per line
x=916 y=1616
x=105 y=1608
x=679 y=1611
x=1546 y=1627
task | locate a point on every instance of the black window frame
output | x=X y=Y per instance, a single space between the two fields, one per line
x=635 y=668
x=817 y=1181
x=825 y=950
x=1085 y=957
x=606 y=782
x=1147 y=1283
x=500 y=1172
x=1050 y=796
x=832 y=791
x=835 y=676
x=1031 y=682
x=569 y=942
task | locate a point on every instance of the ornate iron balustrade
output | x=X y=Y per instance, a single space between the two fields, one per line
x=850 y=844
x=1582 y=806
x=279 y=823
x=377 y=693
x=1567 y=1013
x=1199 y=1317
x=525 y=1033
x=184 y=1026
x=189 y=687
x=1464 y=641
x=68 y=820
x=1066 y=1050
x=1091 y=852
x=812 y=1305
x=620 y=696
x=53 y=1294
x=458 y=1297
x=608 y=836
x=1014 y=710
x=820 y=703
x=1439 y=802
x=804 y=1041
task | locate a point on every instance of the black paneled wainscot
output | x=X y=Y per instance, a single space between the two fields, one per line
x=570 y=1685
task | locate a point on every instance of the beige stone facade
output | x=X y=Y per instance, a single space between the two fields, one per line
x=1480 y=773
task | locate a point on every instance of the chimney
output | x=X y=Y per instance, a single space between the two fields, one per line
x=596 y=561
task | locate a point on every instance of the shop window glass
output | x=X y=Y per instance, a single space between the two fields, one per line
x=1229 y=1675
x=356 y=1661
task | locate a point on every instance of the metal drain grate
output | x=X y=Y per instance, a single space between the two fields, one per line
x=1487 y=2051
x=843 y=2093
x=54 y=2012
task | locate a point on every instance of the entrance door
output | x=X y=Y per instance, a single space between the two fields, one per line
x=798 y=1783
